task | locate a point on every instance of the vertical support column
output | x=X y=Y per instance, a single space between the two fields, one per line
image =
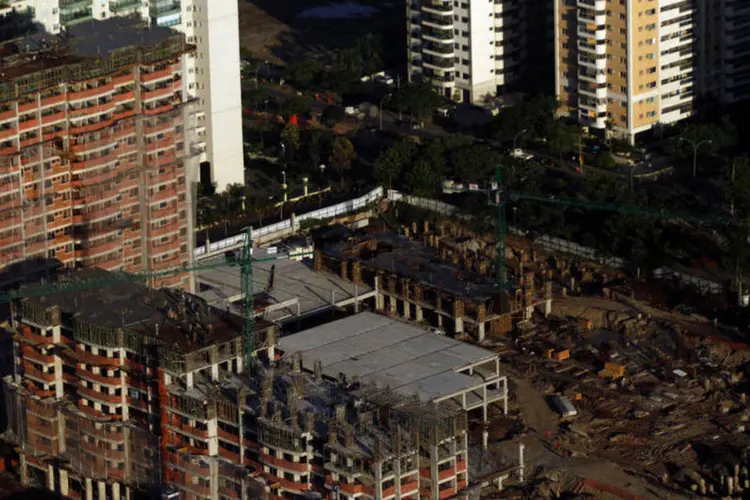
x=458 y=315
x=65 y=483
x=434 y=477
x=115 y=491
x=50 y=478
x=89 y=485
x=521 y=447
x=505 y=395
x=101 y=488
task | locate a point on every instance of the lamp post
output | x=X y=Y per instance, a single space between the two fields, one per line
x=320 y=191
x=695 y=145
x=515 y=139
x=380 y=108
x=257 y=70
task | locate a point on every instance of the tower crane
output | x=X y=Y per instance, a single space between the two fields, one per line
x=245 y=263
x=501 y=196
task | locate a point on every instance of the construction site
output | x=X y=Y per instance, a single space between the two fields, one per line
x=436 y=276
x=96 y=139
x=120 y=391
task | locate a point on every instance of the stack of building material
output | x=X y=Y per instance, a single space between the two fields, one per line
x=612 y=370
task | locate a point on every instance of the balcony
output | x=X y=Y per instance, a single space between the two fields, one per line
x=123 y=5
x=90 y=93
x=158 y=109
x=439 y=63
x=71 y=18
x=438 y=22
x=147 y=95
x=53 y=118
x=53 y=99
x=156 y=75
x=7 y=115
x=438 y=8
x=163 y=10
x=439 y=36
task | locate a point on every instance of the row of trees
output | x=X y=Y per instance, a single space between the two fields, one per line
x=339 y=68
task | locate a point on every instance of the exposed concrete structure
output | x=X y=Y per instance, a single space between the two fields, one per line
x=295 y=290
x=120 y=389
x=434 y=283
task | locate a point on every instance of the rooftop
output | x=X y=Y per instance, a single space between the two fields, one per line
x=99 y=297
x=388 y=353
x=91 y=40
x=397 y=254
x=292 y=280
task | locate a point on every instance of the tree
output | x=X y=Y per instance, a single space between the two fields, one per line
x=342 y=155
x=422 y=179
x=290 y=139
x=563 y=138
x=392 y=162
x=473 y=163
x=332 y=115
x=417 y=99
x=605 y=160
x=737 y=184
x=296 y=105
x=253 y=98
x=303 y=73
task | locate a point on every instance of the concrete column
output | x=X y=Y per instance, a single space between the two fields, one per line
x=459 y=324
x=89 y=485
x=115 y=491
x=392 y=306
x=215 y=372
x=521 y=447
x=418 y=314
x=101 y=488
x=378 y=480
x=485 y=438
x=407 y=310
x=547 y=307
x=189 y=380
x=481 y=332
x=50 y=478
x=440 y=321
x=505 y=396
x=213 y=437
x=65 y=483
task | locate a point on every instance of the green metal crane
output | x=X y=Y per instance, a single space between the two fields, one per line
x=501 y=197
x=245 y=263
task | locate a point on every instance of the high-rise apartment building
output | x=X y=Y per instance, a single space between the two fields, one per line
x=212 y=74
x=96 y=137
x=628 y=66
x=468 y=49
x=725 y=54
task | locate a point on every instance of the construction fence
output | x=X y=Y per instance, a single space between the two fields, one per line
x=287 y=227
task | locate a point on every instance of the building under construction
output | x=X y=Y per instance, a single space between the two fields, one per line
x=95 y=136
x=439 y=280
x=120 y=390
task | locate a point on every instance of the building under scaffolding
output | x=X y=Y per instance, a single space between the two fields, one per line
x=96 y=138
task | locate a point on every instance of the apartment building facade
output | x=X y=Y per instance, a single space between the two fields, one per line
x=725 y=55
x=468 y=49
x=627 y=66
x=95 y=152
x=212 y=74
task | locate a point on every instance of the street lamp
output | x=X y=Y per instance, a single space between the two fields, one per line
x=380 y=108
x=257 y=70
x=695 y=145
x=517 y=136
x=320 y=191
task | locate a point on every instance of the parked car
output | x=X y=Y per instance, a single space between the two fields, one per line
x=521 y=154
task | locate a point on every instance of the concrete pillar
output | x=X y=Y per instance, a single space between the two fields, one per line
x=418 y=313
x=521 y=447
x=392 y=306
x=189 y=380
x=50 y=478
x=459 y=325
x=505 y=396
x=101 y=488
x=342 y=269
x=407 y=310
x=547 y=307
x=481 y=332
x=115 y=491
x=65 y=483
x=485 y=438
x=89 y=485
x=215 y=372
x=440 y=321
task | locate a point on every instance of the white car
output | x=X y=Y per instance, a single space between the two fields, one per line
x=384 y=79
x=521 y=154
x=436 y=331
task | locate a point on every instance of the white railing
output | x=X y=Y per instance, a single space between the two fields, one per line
x=284 y=228
x=425 y=203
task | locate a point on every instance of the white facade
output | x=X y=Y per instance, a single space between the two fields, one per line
x=212 y=76
x=468 y=49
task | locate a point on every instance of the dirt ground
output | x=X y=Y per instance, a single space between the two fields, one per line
x=260 y=31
